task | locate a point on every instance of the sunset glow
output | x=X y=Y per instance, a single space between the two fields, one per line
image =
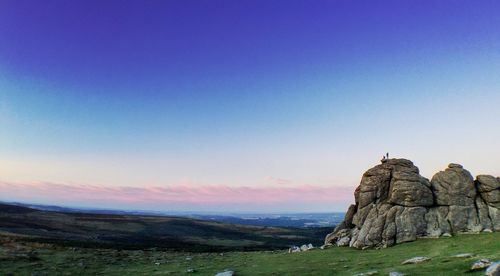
x=240 y=105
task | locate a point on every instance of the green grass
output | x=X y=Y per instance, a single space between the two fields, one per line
x=332 y=261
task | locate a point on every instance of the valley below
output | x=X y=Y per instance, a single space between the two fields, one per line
x=172 y=233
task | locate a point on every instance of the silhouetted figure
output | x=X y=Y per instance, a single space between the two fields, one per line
x=387 y=155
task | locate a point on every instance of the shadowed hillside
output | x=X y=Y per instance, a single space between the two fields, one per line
x=135 y=232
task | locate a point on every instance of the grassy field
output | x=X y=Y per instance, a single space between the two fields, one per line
x=16 y=259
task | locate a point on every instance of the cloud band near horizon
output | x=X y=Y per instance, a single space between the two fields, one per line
x=183 y=197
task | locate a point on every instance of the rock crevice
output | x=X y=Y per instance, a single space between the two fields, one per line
x=395 y=204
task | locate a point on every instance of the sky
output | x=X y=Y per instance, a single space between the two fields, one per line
x=241 y=106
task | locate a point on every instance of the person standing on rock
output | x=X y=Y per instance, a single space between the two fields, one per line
x=386 y=155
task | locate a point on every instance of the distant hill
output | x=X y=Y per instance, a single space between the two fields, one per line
x=14 y=209
x=330 y=219
x=279 y=220
x=141 y=231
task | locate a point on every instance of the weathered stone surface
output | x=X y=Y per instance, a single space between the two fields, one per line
x=463 y=219
x=492 y=198
x=487 y=183
x=225 y=273
x=494 y=214
x=343 y=241
x=481 y=264
x=437 y=224
x=483 y=214
x=416 y=260
x=489 y=189
x=410 y=224
x=395 y=204
x=361 y=214
x=370 y=234
x=410 y=189
x=335 y=237
x=389 y=233
x=453 y=186
x=347 y=222
x=493 y=269
x=464 y=255
x=454 y=166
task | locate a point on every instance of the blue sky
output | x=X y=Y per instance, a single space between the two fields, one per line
x=243 y=93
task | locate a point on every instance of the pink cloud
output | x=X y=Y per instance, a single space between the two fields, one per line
x=183 y=195
x=279 y=181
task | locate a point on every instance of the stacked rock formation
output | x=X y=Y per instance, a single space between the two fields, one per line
x=395 y=204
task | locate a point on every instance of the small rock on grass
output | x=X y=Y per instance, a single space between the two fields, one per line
x=225 y=273
x=464 y=255
x=416 y=260
x=343 y=241
x=481 y=264
x=367 y=273
x=493 y=269
x=395 y=273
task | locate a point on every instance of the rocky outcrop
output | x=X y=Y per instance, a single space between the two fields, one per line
x=395 y=204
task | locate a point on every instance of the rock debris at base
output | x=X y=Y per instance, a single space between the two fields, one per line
x=481 y=264
x=225 y=273
x=416 y=260
x=464 y=255
x=493 y=269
